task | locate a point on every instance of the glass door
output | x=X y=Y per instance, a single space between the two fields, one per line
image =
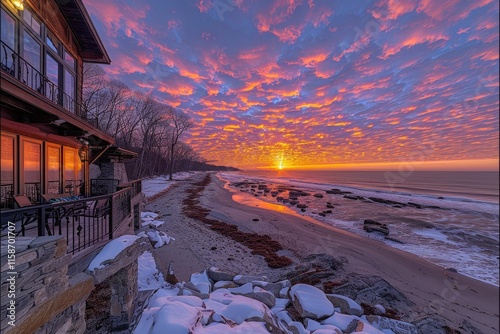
x=32 y=172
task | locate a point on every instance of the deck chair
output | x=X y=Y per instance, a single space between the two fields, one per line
x=27 y=218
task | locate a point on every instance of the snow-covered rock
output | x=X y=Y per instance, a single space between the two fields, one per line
x=111 y=250
x=310 y=301
x=297 y=328
x=245 y=289
x=216 y=275
x=344 y=322
x=346 y=304
x=264 y=296
x=224 y=285
x=284 y=292
x=202 y=282
x=178 y=317
x=159 y=238
x=244 y=279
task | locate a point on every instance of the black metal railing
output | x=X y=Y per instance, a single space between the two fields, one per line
x=22 y=70
x=73 y=187
x=6 y=199
x=32 y=190
x=135 y=187
x=103 y=186
x=53 y=187
x=83 y=222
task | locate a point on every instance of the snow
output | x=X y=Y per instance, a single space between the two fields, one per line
x=201 y=281
x=242 y=290
x=155 y=185
x=312 y=300
x=340 y=320
x=111 y=251
x=159 y=238
x=172 y=310
x=148 y=276
x=178 y=317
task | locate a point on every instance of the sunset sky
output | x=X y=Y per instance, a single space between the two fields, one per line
x=316 y=82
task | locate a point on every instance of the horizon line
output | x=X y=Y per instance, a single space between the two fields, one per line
x=472 y=165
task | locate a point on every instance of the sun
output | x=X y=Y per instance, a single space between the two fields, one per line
x=280 y=163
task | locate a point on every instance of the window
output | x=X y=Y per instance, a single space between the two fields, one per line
x=32 y=22
x=7 y=160
x=8 y=29
x=72 y=171
x=54 y=169
x=52 y=42
x=7 y=47
x=32 y=172
x=48 y=67
x=30 y=75
x=52 y=73
x=69 y=89
x=69 y=60
x=7 y=171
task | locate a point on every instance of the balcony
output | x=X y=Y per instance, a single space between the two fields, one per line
x=14 y=66
x=84 y=222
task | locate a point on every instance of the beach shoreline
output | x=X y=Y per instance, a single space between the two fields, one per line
x=450 y=295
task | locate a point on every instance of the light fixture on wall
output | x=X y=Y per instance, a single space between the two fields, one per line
x=19 y=4
x=83 y=150
x=83 y=153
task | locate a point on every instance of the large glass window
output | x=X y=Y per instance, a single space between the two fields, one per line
x=45 y=57
x=70 y=61
x=54 y=169
x=52 y=42
x=52 y=73
x=8 y=29
x=6 y=171
x=7 y=161
x=30 y=72
x=32 y=170
x=31 y=21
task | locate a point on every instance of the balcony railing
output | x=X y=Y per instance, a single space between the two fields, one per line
x=83 y=222
x=135 y=187
x=6 y=199
x=20 y=69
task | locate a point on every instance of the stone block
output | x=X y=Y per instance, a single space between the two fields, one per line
x=59 y=262
x=65 y=328
x=80 y=287
x=45 y=240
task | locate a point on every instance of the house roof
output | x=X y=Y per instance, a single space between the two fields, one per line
x=120 y=153
x=92 y=49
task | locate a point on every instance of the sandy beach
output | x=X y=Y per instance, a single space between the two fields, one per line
x=433 y=290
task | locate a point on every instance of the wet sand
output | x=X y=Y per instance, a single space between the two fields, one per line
x=434 y=290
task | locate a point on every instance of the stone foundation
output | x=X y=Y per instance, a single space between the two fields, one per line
x=47 y=300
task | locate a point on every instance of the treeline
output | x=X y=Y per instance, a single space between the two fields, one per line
x=139 y=123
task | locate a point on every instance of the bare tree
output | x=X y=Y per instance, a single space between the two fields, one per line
x=179 y=122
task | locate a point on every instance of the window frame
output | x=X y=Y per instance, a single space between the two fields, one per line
x=23 y=27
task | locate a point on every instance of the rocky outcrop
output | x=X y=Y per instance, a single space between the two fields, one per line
x=257 y=306
x=374 y=226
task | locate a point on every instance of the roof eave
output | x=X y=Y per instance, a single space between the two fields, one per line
x=99 y=53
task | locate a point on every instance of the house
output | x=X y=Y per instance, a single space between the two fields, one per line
x=47 y=141
x=48 y=145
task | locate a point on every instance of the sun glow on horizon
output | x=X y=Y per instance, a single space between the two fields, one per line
x=452 y=165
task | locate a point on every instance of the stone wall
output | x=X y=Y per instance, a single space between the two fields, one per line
x=46 y=299
x=113 y=170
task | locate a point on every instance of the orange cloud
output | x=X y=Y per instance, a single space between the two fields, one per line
x=415 y=39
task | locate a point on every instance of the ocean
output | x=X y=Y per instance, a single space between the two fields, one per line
x=456 y=226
